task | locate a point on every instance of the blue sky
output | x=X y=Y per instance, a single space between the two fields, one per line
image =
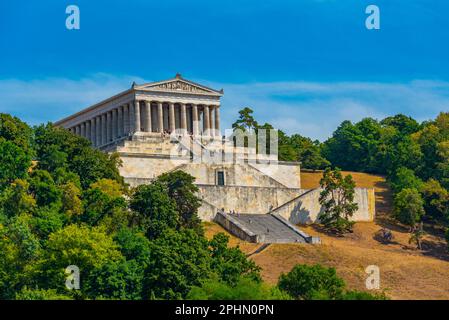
x=302 y=65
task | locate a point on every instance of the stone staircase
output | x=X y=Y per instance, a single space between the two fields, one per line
x=263 y=228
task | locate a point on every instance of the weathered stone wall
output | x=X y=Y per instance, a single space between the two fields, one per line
x=138 y=169
x=306 y=208
x=286 y=173
x=241 y=199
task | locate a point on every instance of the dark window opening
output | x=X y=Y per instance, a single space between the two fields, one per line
x=220 y=178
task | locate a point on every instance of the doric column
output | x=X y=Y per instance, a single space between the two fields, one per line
x=212 y=122
x=195 y=119
x=98 y=138
x=82 y=129
x=87 y=130
x=217 y=120
x=183 y=118
x=160 y=117
x=137 y=126
x=93 y=131
x=108 y=127
x=104 y=131
x=206 y=120
x=171 y=116
x=126 y=120
x=131 y=116
x=114 y=124
x=120 y=128
x=77 y=130
x=148 y=125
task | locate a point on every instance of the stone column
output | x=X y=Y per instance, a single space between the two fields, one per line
x=98 y=131
x=148 y=126
x=83 y=130
x=78 y=130
x=120 y=128
x=131 y=116
x=137 y=125
x=171 y=117
x=195 y=121
x=125 y=120
x=108 y=126
x=217 y=120
x=212 y=122
x=114 y=124
x=183 y=118
x=206 y=120
x=160 y=117
x=93 y=131
x=87 y=132
x=104 y=131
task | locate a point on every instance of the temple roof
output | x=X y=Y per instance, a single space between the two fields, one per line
x=177 y=84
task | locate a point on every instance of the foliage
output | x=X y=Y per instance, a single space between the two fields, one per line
x=178 y=261
x=83 y=246
x=408 y=207
x=40 y=294
x=405 y=178
x=244 y=289
x=181 y=188
x=115 y=280
x=14 y=163
x=155 y=210
x=337 y=199
x=231 y=263
x=312 y=282
x=58 y=148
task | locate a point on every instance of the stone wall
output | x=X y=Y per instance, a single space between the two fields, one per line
x=306 y=208
x=244 y=199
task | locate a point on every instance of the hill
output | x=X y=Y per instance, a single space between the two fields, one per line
x=406 y=273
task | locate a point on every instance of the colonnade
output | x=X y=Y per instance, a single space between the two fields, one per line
x=150 y=116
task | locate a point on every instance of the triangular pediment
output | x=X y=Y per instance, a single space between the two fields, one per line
x=178 y=85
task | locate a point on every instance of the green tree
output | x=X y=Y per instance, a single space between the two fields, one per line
x=14 y=130
x=59 y=148
x=178 y=261
x=133 y=245
x=44 y=189
x=337 y=199
x=436 y=200
x=155 y=210
x=40 y=294
x=312 y=282
x=405 y=178
x=16 y=199
x=87 y=248
x=181 y=188
x=14 y=163
x=104 y=204
x=408 y=207
x=19 y=248
x=244 y=289
x=231 y=263
x=246 y=121
x=115 y=280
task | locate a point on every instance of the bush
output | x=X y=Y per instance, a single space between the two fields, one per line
x=312 y=282
x=244 y=289
x=408 y=207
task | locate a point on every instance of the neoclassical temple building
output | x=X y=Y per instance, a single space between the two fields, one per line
x=173 y=125
x=150 y=109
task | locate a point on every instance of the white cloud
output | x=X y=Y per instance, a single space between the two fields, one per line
x=312 y=109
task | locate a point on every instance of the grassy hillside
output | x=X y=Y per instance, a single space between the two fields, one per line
x=406 y=273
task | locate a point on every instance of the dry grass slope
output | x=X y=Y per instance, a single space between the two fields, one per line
x=406 y=273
